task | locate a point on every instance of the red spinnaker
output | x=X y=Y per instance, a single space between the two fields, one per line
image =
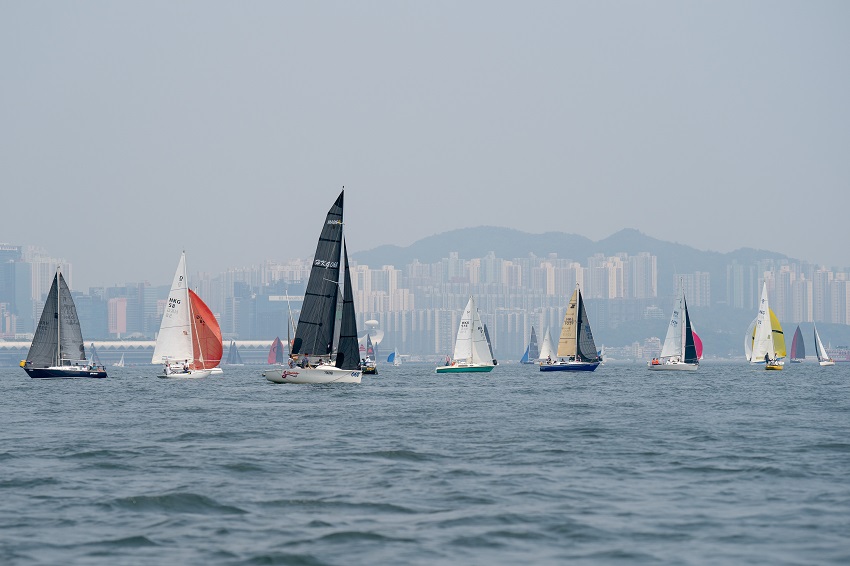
x=206 y=334
x=698 y=346
x=276 y=352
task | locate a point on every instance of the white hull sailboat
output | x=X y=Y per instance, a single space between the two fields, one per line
x=766 y=344
x=798 y=348
x=57 y=349
x=321 y=336
x=576 y=348
x=188 y=345
x=119 y=363
x=679 y=351
x=531 y=351
x=394 y=358
x=472 y=350
x=823 y=357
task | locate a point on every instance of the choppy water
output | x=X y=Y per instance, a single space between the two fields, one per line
x=730 y=465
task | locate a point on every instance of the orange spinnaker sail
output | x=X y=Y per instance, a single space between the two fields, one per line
x=206 y=334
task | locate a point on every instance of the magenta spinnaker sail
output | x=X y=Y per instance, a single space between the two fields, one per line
x=698 y=345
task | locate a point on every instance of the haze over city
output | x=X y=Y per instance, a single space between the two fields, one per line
x=132 y=131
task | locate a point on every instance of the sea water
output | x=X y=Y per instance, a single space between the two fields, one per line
x=727 y=465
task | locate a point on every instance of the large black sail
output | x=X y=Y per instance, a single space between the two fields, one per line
x=348 y=351
x=58 y=335
x=533 y=351
x=314 y=334
x=690 y=347
x=71 y=335
x=44 y=349
x=586 y=350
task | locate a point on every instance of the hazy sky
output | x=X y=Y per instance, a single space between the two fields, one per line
x=132 y=130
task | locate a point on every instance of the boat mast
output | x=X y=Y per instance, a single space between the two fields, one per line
x=58 y=320
x=192 y=327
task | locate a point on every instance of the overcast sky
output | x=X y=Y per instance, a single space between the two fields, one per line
x=132 y=130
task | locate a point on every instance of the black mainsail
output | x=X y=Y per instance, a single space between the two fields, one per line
x=533 y=351
x=315 y=331
x=691 y=356
x=586 y=350
x=348 y=350
x=58 y=336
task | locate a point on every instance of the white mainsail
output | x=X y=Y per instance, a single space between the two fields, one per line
x=547 y=350
x=471 y=343
x=174 y=341
x=763 y=341
x=819 y=349
x=673 y=341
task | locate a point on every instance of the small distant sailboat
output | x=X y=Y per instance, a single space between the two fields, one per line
x=95 y=359
x=679 y=351
x=233 y=356
x=119 y=363
x=576 y=348
x=189 y=341
x=394 y=358
x=57 y=348
x=798 y=347
x=368 y=365
x=768 y=341
x=472 y=352
x=324 y=336
x=532 y=353
x=823 y=357
x=547 y=351
x=276 y=352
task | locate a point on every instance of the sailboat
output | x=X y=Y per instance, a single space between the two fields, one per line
x=823 y=357
x=472 y=352
x=547 y=351
x=95 y=359
x=233 y=356
x=368 y=365
x=768 y=340
x=394 y=358
x=576 y=348
x=798 y=347
x=57 y=348
x=531 y=351
x=679 y=352
x=189 y=341
x=325 y=344
x=276 y=352
x=119 y=363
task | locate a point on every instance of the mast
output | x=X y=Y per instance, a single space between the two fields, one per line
x=59 y=321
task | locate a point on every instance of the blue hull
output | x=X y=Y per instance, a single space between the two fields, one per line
x=585 y=366
x=57 y=373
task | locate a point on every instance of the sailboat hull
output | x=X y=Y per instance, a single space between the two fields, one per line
x=321 y=374
x=192 y=374
x=569 y=366
x=465 y=369
x=64 y=373
x=773 y=367
x=675 y=366
x=827 y=363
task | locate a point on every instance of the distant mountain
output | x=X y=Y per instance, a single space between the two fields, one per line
x=508 y=244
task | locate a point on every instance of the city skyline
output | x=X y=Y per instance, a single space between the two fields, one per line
x=719 y=126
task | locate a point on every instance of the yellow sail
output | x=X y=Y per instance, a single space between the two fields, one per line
x=778 y=335
x=567 y=342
